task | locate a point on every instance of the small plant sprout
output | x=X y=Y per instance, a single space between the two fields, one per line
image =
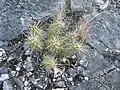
x=48 y=62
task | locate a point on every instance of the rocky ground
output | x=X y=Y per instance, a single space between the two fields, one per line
x=95 y=67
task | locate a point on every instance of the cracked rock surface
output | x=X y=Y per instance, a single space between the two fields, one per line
x=96 y=67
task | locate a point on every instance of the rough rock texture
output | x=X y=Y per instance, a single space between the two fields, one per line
x=16 y=15
x=96 y=66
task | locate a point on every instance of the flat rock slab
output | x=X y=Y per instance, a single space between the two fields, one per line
x=15 y=15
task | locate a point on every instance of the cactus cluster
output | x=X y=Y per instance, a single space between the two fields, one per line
x=57 y=43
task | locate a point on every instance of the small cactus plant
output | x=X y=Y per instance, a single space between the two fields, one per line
x=48 y=62
x=54 y=45
x=55 y=29
x=57 y=44
x=35 y=38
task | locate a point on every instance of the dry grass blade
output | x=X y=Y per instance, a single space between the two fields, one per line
x=82 y=32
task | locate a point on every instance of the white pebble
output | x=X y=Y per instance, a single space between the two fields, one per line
x=13 y=73
x=29 y=74
x=74 y=56
x=56 y=70
x=86 y=78
x=27 y=52
x=118 y=69
x=82 y=62
x=1 y=54
x=22 y=21
x=28 y=58
x=99 y=1
x=9 y=58
x=85 y=65
x=59 y=89
x=106 y=49
x=23 y=79
x=2 y=50
x=70 y=78
x=64 y=59
x=26 y=83
x=18 y=69
x=54 y=80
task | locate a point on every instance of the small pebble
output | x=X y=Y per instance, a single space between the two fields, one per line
x=23 y=79
x=26 y=83
x=71 y=79
x=1 y=54
x=29 y=74
x=74 y=56
x=13 y=73
x=86 y=78
x=9 y=58
x=82 y=62
x=2 y=50
x=18 y=69
x=54 y=79
x=27 y=52
x=85 y=65
x=46 y=79
x=64 y=59
x=106 y=49
x=99 y=1
x=28 y=58
x=56 y=70
x=22 y=21
x=117 y=69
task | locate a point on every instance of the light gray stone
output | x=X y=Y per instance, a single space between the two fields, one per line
x=4 y=77
x=7 y=85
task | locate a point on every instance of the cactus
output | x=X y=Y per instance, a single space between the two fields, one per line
x=48 y=62
x=35 y=38
x=57 y=43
